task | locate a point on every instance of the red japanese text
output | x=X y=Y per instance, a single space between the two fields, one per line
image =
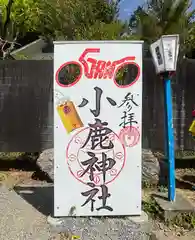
x=100 y=69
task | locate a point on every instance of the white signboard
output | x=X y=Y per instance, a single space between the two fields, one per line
x=98 y=125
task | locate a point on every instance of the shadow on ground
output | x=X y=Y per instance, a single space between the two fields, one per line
x=184 y=184
x=24 y=165
x=40 y=197
x=189 y=178
x=185 y=163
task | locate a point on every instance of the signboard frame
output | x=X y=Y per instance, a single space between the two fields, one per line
x=68 y=186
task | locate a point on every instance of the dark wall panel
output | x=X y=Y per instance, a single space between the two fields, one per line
x=26 y=111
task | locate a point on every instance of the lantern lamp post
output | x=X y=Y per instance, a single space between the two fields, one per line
x=165 y=54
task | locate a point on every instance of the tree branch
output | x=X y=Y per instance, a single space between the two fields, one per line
x=6 y=51
x=7 y=21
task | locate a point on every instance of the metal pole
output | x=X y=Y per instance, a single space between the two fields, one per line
x=169 y=140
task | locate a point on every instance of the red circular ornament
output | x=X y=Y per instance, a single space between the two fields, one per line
x=77 y=153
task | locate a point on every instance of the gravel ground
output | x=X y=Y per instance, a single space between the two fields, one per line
x=104 y=228
x=19 y=220
x=93 y=228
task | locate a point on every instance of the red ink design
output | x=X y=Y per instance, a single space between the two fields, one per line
x=119 y=155
x=67 y=109
x=96 y=179
x=129 y=136
x=113 y=172
x=64 y=65
x=76 y=168
x=78 y=140
x=72 y=157
x=79 y=173
x=111 y=137
x=99 y=69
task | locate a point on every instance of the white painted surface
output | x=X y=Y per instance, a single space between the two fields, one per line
x=165 y=53
x=158 y=56
x=125 y=189
x=171 y=50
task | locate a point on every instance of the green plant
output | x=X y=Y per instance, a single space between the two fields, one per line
x=152 y=208
x=162 y=189
x=185 y=220
x=120 y=75
x=159 y=17
x=17 y=17
x=148 y=185
x=21 y=57
x=18 y=155
x=10 y=155
x=80 y=19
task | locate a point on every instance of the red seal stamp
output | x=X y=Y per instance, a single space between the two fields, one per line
x=99 y=165
x=129 y=136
